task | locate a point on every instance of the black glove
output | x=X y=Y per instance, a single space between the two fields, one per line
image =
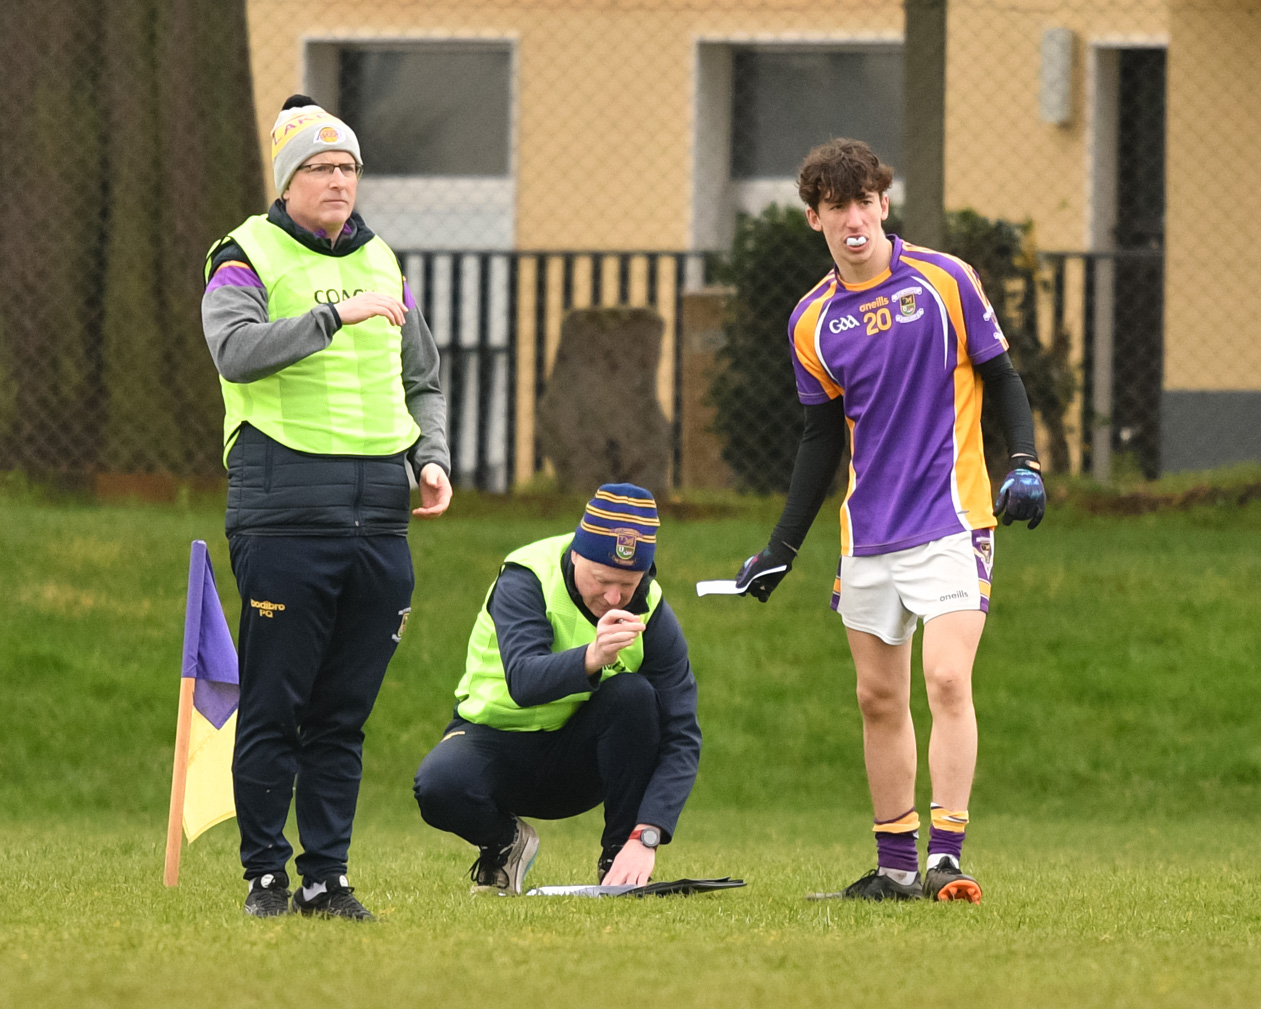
x=1022 y=495
x=762 y=572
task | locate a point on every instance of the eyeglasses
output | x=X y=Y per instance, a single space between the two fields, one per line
x=325 y=171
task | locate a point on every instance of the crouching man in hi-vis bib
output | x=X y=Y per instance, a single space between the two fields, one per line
x=577 y=690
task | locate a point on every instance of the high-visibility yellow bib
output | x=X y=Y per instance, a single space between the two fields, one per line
x=346 y=399
x=482 y=693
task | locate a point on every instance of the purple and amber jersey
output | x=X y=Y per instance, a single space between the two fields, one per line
x=900 y=349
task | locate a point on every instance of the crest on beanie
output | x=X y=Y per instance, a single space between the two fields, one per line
x=624 y=548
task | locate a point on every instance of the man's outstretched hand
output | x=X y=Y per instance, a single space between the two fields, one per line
x=633 y=865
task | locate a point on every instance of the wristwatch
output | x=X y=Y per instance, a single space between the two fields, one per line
x=649 y=837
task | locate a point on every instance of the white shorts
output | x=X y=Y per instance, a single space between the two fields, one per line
x=885 y=594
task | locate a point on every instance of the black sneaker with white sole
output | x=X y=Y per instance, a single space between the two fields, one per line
x=268 y=896
x=337 y=900
x=876 y=886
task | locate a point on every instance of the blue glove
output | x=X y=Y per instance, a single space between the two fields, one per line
x=1021 y=497
x=762 y=572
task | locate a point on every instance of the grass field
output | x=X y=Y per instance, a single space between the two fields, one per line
x=1114 y=816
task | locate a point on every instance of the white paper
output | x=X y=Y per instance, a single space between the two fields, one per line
x=581 y=891
x=723 y=587
x=717 y=587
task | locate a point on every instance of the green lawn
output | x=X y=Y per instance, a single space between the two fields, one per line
x=1114 y=814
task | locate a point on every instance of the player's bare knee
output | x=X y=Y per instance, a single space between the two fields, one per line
x=949 y=687
x=879 y=703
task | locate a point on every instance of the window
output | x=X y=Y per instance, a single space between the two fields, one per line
x=785 y=101
x=759 y=110
x=434 y=119
x=413 y=119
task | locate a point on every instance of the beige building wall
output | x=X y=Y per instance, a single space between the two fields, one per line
x=606 y=94
x=1214 y=198
x=1001 y=158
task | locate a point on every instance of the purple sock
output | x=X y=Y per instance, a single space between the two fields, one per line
x=897 y=851
x=946 y=842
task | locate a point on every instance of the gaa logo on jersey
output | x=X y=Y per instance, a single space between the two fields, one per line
x=908 y=308
x=624 y=550
x=843 y=323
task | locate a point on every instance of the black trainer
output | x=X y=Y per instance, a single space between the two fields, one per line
x=875 y=886
x=268 y=896
x=337 y=901
x=945 y=881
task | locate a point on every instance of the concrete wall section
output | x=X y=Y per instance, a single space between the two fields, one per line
x=1200 y=430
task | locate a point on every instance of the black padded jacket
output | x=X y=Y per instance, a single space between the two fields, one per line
x=277 y=491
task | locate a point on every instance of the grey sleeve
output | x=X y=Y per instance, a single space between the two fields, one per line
x=425 y=400
x=245 y=346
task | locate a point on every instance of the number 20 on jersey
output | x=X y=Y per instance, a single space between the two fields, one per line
x=878 y=321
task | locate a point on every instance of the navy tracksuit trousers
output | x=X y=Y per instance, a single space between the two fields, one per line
x=477 y=778
x=320 y=619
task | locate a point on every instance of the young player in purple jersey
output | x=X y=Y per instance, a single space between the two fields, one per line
x=894 y=346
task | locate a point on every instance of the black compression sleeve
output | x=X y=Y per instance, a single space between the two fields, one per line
x=1007 y=392
x=818 y=455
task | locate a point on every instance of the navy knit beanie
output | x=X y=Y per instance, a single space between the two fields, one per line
x=619 y=528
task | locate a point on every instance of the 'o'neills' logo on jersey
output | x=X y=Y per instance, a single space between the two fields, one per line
x=880 y=302
x=908 y=309
x=843 y=323
x=624 y=550
x=267 y=609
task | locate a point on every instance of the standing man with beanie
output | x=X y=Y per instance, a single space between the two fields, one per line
x=577 y=690
x=330 y=388
x=894 y=348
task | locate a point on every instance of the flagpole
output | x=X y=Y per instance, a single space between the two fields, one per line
x=179 y=776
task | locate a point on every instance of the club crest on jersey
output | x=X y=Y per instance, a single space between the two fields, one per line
x=624 y=549
x=908 y=307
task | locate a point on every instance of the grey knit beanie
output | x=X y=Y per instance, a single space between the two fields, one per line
x=303 y=129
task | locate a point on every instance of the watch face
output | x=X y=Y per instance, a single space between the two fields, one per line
x=649 y=838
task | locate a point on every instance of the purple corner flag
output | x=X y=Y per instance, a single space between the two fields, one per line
x=209 y=654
